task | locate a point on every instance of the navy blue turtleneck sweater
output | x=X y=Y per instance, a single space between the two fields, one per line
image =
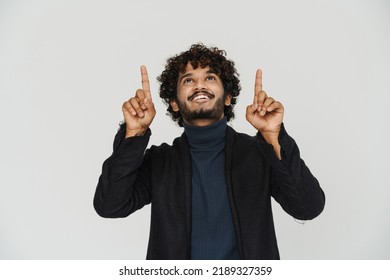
x=213 y=235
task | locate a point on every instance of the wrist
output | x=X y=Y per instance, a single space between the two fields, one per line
x=272 y=138
x=135 y=132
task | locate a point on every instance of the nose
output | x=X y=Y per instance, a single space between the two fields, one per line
x=200 y=85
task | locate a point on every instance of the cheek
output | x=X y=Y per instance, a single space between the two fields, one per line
x=218 y=86
x=218 y=90
x=183 y=93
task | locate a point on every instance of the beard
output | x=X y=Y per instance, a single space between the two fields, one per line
x=214 y=113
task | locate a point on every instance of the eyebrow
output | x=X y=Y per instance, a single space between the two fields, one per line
x=190 y=74
x=185 y=76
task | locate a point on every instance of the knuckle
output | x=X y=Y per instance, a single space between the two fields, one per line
x=139 y=92
x=134 y=102
x=126 y=105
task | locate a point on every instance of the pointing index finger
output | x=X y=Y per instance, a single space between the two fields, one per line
x=259 y=81
x=145 y=81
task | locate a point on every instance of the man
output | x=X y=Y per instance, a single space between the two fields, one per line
x=210 y=191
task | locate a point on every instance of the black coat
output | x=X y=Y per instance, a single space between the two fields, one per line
x=132 y=178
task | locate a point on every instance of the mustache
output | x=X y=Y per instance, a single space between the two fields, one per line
x=209 y=94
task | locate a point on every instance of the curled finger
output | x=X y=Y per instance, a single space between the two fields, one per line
x=136 y=106
x=127 y=107
x=140 y=94
x=262 y=96
x=275 y=106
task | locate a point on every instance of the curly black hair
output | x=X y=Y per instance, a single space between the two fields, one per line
x=199 y=55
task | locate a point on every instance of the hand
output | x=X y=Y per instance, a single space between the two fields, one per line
x=139 y=110
x=265 y=114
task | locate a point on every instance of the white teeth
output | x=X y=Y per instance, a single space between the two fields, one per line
x=201 y=96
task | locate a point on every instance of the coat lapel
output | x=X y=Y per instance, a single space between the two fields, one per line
x=229 y=149
x=187 y=183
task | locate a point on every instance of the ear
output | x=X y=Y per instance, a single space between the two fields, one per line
x=174 y=105
x=228 y=99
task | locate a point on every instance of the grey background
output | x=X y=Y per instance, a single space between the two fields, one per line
x=66 y=67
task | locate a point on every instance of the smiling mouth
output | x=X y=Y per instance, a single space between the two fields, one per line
x=201 y=96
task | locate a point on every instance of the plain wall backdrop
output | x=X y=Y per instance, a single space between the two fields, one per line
x=66 y=67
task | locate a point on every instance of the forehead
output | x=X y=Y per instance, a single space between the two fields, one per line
x=190 y=69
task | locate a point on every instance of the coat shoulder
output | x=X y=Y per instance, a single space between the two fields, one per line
x=165 y=149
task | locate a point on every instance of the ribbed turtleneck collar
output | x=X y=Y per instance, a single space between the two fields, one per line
x=206 y=137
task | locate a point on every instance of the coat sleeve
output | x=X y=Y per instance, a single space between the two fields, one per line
x=293 y=186
x=124 y=184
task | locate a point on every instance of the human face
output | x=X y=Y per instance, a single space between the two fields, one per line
x=200 y=96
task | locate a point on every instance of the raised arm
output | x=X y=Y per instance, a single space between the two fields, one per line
x=124 y=185
x=292 y=183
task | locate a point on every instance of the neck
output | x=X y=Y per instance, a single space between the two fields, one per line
x=206 y=136
x=202 y=122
